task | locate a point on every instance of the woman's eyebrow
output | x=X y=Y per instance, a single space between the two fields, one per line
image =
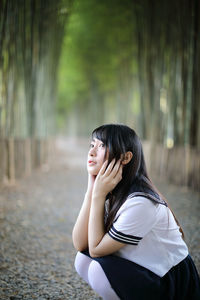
x=95 y=139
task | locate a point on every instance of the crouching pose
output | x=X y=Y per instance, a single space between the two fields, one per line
x=129 y=243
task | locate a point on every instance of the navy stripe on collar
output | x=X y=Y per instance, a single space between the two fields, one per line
x=149 y=196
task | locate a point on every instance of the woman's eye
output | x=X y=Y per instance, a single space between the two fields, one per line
x=91 y=146
x=102 y=145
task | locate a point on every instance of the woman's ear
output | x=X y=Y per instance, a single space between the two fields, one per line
x=127 y=157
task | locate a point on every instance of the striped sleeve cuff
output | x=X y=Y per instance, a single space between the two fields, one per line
x=123 y=238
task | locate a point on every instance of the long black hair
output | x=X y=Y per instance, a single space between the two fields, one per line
x=118 y=140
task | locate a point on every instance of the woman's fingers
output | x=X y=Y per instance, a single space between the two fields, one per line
x=109 y=168
x=118 y=175
x=117 y=170
x=109 y=176
x=103 y=168
x=113 y=168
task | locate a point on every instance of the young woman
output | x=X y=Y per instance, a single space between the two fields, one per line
x=129 y=243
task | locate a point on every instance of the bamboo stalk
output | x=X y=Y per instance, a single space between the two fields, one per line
x=27 y=145
x=11 y=160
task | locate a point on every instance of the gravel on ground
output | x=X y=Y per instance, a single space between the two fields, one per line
x=37 y=215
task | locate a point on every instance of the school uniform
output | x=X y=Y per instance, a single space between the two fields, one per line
x=154 y=263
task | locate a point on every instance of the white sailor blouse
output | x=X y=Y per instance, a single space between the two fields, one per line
x=148 y=228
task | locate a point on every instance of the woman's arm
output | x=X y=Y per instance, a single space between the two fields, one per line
x=100 y=243
x=80 y=230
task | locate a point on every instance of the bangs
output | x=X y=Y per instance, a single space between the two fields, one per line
x=110 y=135
x=100 y=133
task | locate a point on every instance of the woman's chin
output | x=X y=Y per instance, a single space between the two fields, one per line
x=92 y=171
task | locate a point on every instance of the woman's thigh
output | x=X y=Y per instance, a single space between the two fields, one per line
x=92 y=272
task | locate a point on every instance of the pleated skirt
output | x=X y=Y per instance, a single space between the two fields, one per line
x=131 y=281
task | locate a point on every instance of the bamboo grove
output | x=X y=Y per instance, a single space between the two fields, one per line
x=135 y=62
x=69 y=65
x=30 y=43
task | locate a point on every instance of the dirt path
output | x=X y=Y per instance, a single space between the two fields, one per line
x=36 y=220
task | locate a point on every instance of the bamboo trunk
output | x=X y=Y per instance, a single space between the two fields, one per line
x=11 y=160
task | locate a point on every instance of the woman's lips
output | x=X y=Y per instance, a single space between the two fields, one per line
x=91 y=162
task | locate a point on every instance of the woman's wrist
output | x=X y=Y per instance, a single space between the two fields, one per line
x=88 y=195
x=98 y=196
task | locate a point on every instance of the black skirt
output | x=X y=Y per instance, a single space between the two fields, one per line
x=131 y=281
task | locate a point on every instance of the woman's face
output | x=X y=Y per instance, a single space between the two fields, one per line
x=96 y=156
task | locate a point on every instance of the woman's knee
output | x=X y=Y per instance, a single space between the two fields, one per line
x=96 y=275
x=99 y=282
x=92 y=272
x=81 y=265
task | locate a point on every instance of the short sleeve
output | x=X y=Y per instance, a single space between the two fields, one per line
x=135 y=219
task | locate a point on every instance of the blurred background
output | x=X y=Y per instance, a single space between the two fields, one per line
x=67 y=67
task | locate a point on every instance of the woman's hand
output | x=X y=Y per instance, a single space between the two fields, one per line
x=107 y=179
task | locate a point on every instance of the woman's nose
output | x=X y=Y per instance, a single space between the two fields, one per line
x=92 y=151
